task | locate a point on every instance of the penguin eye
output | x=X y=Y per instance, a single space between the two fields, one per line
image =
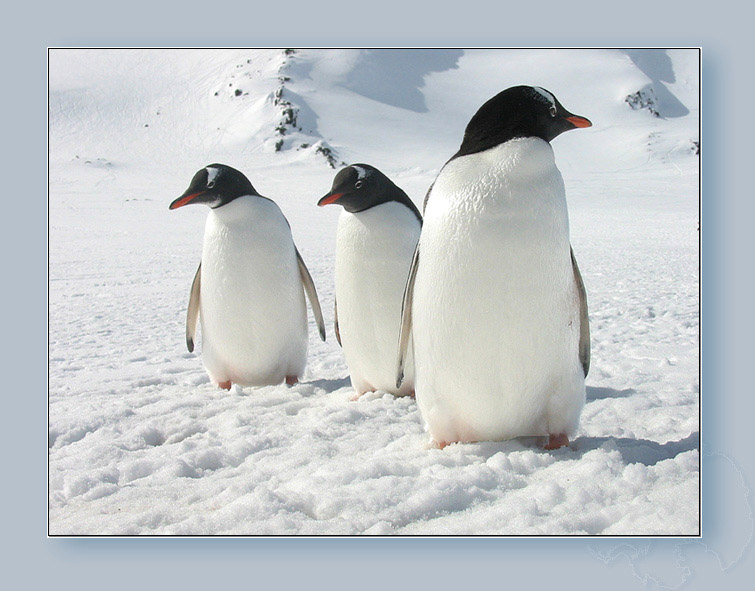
x=211 y=184
x=553 y=110
x=358 y=185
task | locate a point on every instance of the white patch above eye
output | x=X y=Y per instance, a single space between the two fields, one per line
x=545 y=94
x=361 y=172
x=212 y=174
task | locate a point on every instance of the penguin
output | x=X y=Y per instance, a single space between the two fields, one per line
x=249 y=288
x=495 y=302
x=377 y=235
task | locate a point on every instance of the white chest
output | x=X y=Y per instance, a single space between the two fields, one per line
x=499 y=220
x=247 y=245
x=373 y=255
x=495 y=308
x=252 y=306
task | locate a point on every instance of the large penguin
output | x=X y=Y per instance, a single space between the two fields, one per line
x=495 y=301
x=378 y=232
x=249 y=287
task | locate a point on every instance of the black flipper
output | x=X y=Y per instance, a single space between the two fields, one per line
x=406 y=318
x=192 y=314
x=584 y=321
x=338 y=331
x=427 y=196
x=309 y=288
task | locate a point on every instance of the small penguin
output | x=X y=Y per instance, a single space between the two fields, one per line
x=248 y=288
x=495 y=300
x=378 y=231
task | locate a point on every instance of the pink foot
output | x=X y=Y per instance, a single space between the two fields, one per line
x=556 y=441
x=358 y=395
x=291 y=380
x=225 y=385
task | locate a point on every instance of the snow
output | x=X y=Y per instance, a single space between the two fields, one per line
x=141 y=443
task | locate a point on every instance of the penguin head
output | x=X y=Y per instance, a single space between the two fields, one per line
x=517 y=112
x=215 y=185
x=359 y=187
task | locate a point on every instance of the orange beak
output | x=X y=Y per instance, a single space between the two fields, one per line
x=185 y=200
x=577 y=121
x=328 y=199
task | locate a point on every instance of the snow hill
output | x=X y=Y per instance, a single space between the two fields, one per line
x=141 y=443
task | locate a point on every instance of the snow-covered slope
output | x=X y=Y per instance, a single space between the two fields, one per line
x=141 y=442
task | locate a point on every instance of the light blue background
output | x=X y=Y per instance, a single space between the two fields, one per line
x=34 y=561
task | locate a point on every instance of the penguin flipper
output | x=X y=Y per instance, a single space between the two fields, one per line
x=406 y=318
x=309 y=288
x=427 y=197
x=584 y=321
x=192 y=313
x=338 y=331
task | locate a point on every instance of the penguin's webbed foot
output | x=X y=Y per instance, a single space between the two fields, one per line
x=442 y=444
x=557 y=441
x=291 y=380
x=225 y=385
x=357 y=395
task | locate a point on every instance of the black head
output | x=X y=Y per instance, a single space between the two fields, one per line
x=215 y=185
x=520 y=111
x=360 y=186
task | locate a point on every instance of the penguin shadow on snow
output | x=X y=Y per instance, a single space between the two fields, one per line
x=638 y=451
x=315 y=387
x=330 y=385
x=633 y=451
x=598 y=393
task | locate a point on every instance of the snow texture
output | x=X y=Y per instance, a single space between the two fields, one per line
x=141 y=443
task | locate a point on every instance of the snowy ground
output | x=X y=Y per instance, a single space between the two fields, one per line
x=141 y=443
